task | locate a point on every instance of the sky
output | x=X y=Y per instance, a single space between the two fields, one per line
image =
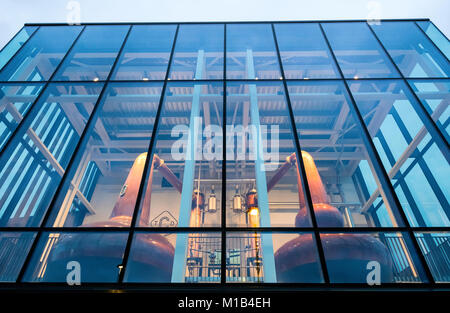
x=14 y=13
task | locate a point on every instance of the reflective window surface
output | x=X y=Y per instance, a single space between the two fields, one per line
x=14 y=247
x=15 y=44
x=146 y=53
x=436 y=36
x=435 y=248
x=413 y=52
x=40 y=56
x=357 y=51
x=304 y=52
x=198 y=52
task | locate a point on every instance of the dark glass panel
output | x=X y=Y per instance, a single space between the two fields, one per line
x=435 y=248
x=14 y=248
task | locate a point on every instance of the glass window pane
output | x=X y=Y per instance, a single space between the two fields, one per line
x=262 y=257
x=435 y=248
x=304 y=52
x=413 y=161
x=96 y=255
x=14 y=247
x=435 y=96
x=251 y=52
x=104 y=187
x=340 y=176
x=146 y=53
x=175 y=257
x=357 y=257
x=15 y=44
x=357 y=51
x=15 y=101
x=436 y=36
x=263 y=182
x=413 y=52
x=94 y=54
x=198 y=52
x=184 y=186
x=40 y=56
x=34 y=163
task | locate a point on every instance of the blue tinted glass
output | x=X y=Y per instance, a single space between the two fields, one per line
x=415 y=163
x=435 y=96
x=146 y=53
x=413 y=51
x=15 y=44
x=96 y=255
x=14 y=247
x=436 y=36
x=33 y=164
x=251 y=52
x=198 y=52
x=304 y=52
x=94 y=54
x=357 y=51
x=435 y=248
x=15 y=101
x=41 y=54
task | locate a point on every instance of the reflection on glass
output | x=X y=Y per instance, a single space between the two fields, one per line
x=40 y=56
x=14 y=247
x=146 y=53
x=15 y=44
x=32 y=166
x=435 y=96
x=89 y=257
x=94 y=54
x=251 y=52
x=436 y=37
x=340 y=176
x=184 y=185
x=198 y=52
x=435 y=248
x=263 y=181
x=413 y=52
x=15 y=101
x=416 y=166
x=304 y=52
x=272 y=258
x=370 y=257
x=357 y=51
x=104 y=188
x=175 y=257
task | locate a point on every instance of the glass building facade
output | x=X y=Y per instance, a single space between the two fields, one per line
x=295 y=153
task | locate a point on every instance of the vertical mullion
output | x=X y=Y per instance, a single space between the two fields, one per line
x=302 y=170
x=386 y=185
x=147 y=164
x=223 y=255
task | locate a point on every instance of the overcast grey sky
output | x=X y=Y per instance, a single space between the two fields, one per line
x=14 y=13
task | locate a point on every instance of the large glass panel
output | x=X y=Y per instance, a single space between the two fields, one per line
x=304 y=52
x=371 y=258
x=357 y=51
x=32 y=166
x=14 y=248
x=251 y=52
x=263 y=181
x=262 y=257
x=175 y=257
x=435 y=248
x=105 y=185
x=198 y=52
x=436 y=36
x=40 y=56
x=184 y=185
x=146 y=53
x=340 y=175
x=435 y=96
x=413 y=52
x=77 y=258
x=15 y=44
x=94 y=54
x=416 y=166
x=15 y=101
